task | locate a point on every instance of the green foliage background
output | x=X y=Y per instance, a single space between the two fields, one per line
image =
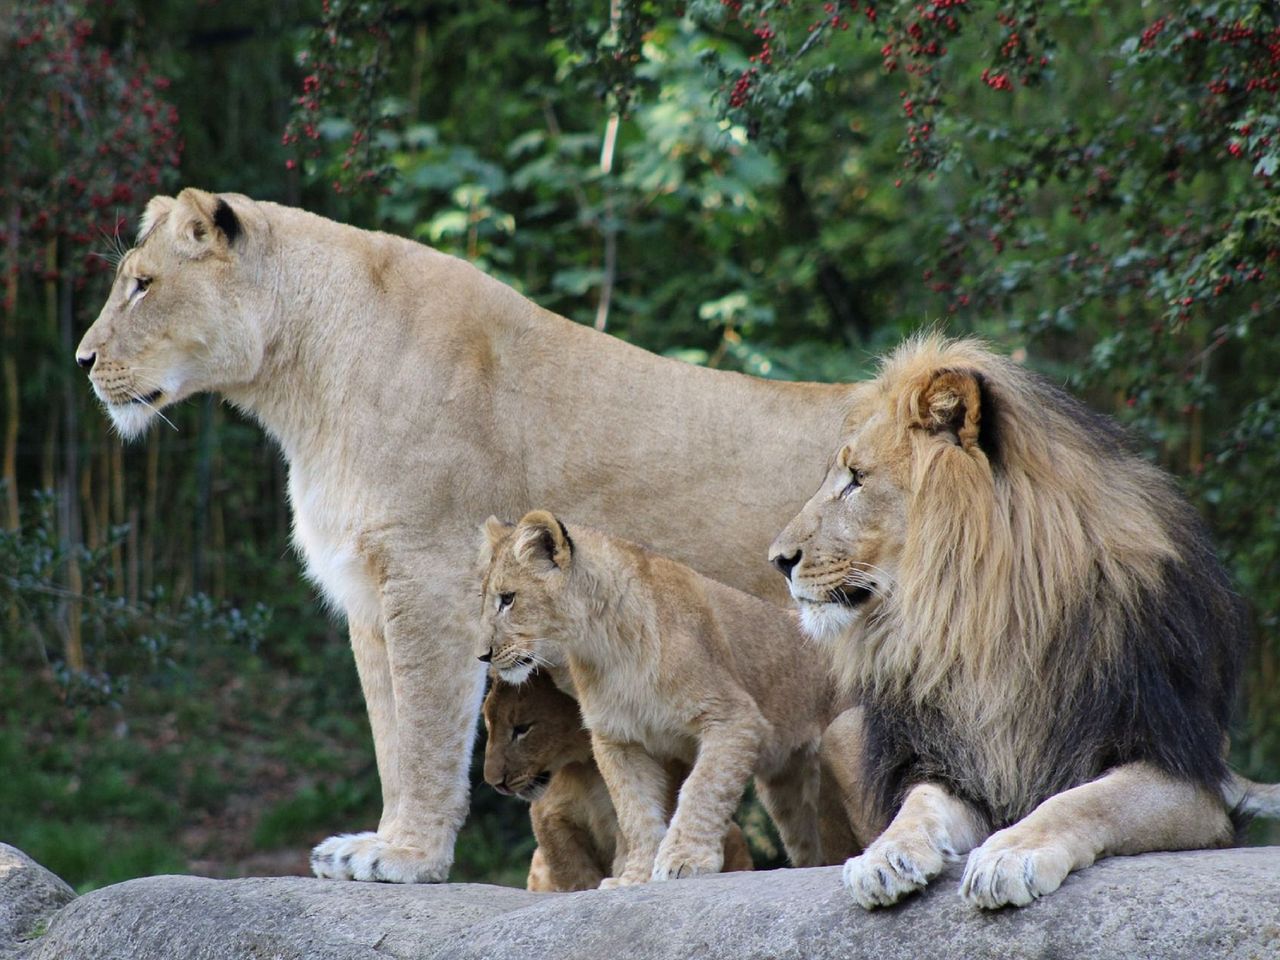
x=793 y=187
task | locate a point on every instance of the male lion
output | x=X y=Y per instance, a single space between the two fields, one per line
x=1045 y=646
x=537 y=748
x=667 y=665
x=413 y=396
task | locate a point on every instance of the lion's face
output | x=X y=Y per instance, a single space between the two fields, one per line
x=533 y=730
x=841 y=552
x=525 y=611
x=180 y=318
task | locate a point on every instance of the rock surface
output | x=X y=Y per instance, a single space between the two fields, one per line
x=1209 y=904
x=29 y=895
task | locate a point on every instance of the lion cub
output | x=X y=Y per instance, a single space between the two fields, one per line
x=667 y=665
x=538 y=750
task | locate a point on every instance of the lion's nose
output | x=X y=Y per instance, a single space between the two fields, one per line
x=86 y=360
x=486 y=656
x=786 y=564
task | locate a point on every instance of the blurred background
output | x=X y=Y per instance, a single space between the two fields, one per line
x=781 y=188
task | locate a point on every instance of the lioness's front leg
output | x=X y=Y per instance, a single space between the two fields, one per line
x=345 y=857
x=1132 y=809
x=436 y=685
x=728 y=750
x=931 y=828
x=638 y=786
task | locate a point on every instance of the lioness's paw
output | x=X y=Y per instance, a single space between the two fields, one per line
x=367 y=856
x=888 y=870
x=1001 y=873
x=680 y=861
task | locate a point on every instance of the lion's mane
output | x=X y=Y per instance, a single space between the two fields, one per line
x=1058 y=609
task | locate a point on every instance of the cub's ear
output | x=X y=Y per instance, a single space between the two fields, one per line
x=492 y=532
x=202 y=221
x=541 y=539
x=955 y=405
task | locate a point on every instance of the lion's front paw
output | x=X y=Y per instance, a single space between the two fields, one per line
x=682 y=860
x=368 y=856
x=888 y=870
x=1001 y=872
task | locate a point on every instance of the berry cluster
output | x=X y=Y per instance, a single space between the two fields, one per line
x=86 y=137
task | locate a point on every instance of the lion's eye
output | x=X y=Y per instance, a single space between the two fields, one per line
x=140 y=285
x=519 y=730
x=505 y=600
x=855 y=481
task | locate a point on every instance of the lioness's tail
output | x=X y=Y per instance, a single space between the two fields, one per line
x=1252 y=799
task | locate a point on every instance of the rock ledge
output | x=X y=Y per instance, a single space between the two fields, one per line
x=1220 y=904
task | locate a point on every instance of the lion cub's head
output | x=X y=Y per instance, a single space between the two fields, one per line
x=533 y=730
x=528 y=604
x=185 y=312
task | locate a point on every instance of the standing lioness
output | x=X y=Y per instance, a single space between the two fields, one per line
x=413 y=396
x=667 y=665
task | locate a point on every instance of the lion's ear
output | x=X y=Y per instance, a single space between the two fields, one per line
x=541 y=539
x=492 y=532
x=953 y=405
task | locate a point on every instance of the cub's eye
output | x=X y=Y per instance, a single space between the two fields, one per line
x=505 y=600
x=519 y=730
x=855 y=481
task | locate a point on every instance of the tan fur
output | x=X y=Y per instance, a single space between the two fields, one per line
x=538 y=749
x=962 y=629
x=667 y=665
x=412 y=396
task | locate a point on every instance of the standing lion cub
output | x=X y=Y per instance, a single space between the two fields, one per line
x=668 y=665
x=537 y=749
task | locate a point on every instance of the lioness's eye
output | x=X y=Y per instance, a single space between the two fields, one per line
x=505 y=600
x=519 y=730
x=855 y=481
x=140 y=285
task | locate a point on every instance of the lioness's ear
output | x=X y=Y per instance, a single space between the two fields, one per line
x=157 y=209
x=542 y=539
x=492 y=533
x=953 y=404
x=202 y=220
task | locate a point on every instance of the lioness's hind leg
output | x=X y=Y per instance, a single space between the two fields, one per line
x=790 y=795
x=1132 y=809
x=931 y=828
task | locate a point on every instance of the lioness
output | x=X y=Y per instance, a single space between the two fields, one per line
x=537 y=748
x=413 y=396
x=667 y=664
x=1045 y=646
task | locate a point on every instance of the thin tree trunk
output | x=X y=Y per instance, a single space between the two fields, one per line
x=61 y=310
x=149 y=494
x=12 y=420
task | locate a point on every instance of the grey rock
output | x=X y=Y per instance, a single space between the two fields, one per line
x=29 y=895
x=1209 y=904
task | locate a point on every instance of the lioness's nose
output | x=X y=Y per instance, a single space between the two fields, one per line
x=786 y=564
x=86 y=360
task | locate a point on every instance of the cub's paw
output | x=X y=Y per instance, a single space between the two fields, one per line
x=680 y=861
x=367 y=856
x=617 y=883
x=1003 y=873
x=888 y=870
